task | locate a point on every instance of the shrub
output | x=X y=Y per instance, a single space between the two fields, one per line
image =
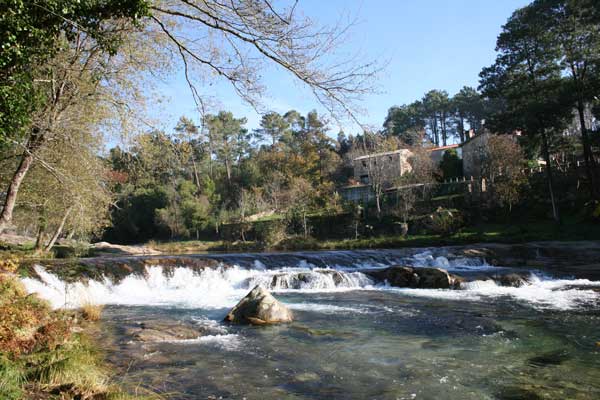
x=92 y=312
x=269 y=233
x=9 y=263
x=444 y=222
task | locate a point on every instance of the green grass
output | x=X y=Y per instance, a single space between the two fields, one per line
x=571 y=230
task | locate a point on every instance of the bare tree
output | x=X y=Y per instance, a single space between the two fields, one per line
x=237 y=39
x=370 y=156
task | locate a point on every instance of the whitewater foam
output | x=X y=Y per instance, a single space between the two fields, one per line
x=216 y=288
x=223 y=287
x=230 y=341
x=541 y=292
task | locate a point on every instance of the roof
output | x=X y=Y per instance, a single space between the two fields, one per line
x=387 y=153
x=450 y=146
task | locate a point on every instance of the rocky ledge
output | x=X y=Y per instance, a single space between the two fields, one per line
x=423 y=278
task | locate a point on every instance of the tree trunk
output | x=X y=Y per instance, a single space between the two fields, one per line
x=444 y=131
x=228 y=170
x=549 y=175
x=58 y=230
x=588 y=157
x=378 y=202
x=13 y=190
x=461 y=127
x=39 y=237
x=305 y=224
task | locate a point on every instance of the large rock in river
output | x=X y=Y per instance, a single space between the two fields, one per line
x=259 y=307
x=424 y=278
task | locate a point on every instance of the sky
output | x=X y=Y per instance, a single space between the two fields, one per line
x=425 y=44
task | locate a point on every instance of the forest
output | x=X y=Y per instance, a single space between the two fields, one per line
x=73 y=78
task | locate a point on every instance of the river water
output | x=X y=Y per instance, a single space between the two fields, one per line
x=351 y=338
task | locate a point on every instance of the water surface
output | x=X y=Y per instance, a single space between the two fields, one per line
x=352 y=339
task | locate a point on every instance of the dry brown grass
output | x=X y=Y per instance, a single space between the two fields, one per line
x=92 y=312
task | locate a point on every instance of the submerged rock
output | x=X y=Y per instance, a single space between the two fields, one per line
x=424 y=278
x=259 y=307
x=156 y=331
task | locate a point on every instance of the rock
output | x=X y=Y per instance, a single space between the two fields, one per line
x=101 y=248
x=513 y=280
x=424 y=278
x=435 y=278
x=259 y=307
x=163 y=332
x=555 y=357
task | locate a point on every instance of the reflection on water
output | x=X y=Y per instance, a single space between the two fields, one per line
x=351 y=339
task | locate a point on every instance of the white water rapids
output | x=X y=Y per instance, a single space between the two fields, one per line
x=222 y=287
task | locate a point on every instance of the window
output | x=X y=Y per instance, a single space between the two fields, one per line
x=364 y=179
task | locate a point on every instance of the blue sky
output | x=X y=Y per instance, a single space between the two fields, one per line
x=429 y=44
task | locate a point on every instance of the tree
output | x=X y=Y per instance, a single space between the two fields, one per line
x=273 y=125
x=415 y=184
x=469 y=107
x=436 y=105
x=527 y=80
x=229 y=138
x=301 y=200
x=503 y=164
x=230 y=40
x=378 y=172
x=574 y=26
x=407 y=122
x=56 y=54
x=451 y=164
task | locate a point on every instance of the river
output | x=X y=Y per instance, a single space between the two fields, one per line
x=352 y=338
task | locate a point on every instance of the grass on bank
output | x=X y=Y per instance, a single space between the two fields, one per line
x=570 y=230
x=43 y=355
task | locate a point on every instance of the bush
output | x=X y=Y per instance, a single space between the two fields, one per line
x=444 y=222
x=92 y=312
x=269 y=233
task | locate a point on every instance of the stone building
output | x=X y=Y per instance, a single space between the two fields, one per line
x=385 y=167
x=474 y=150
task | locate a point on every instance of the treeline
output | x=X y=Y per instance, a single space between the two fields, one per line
x=75 y=78
x=439 y=117
x=198 y=177
x=73 y=73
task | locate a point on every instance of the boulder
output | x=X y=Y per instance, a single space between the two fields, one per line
x=259 y=307
x=424 y=278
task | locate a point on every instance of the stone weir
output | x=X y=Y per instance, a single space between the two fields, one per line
x=116 y=268
x=579 y=259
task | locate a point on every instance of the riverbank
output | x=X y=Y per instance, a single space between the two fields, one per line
x=570 y=230
x=48 y=354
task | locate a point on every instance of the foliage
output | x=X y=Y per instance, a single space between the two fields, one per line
x=41 y=356
x=503 y=165
x=444 y=222
x=451 y=164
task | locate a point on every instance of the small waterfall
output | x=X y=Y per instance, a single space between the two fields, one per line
x=211 y=288
x=316 y=279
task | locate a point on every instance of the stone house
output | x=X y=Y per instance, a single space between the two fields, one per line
x=385 y=167
x=474 y=149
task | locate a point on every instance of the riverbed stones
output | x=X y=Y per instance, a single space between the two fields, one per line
x=259 y=307
x=423 y=278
